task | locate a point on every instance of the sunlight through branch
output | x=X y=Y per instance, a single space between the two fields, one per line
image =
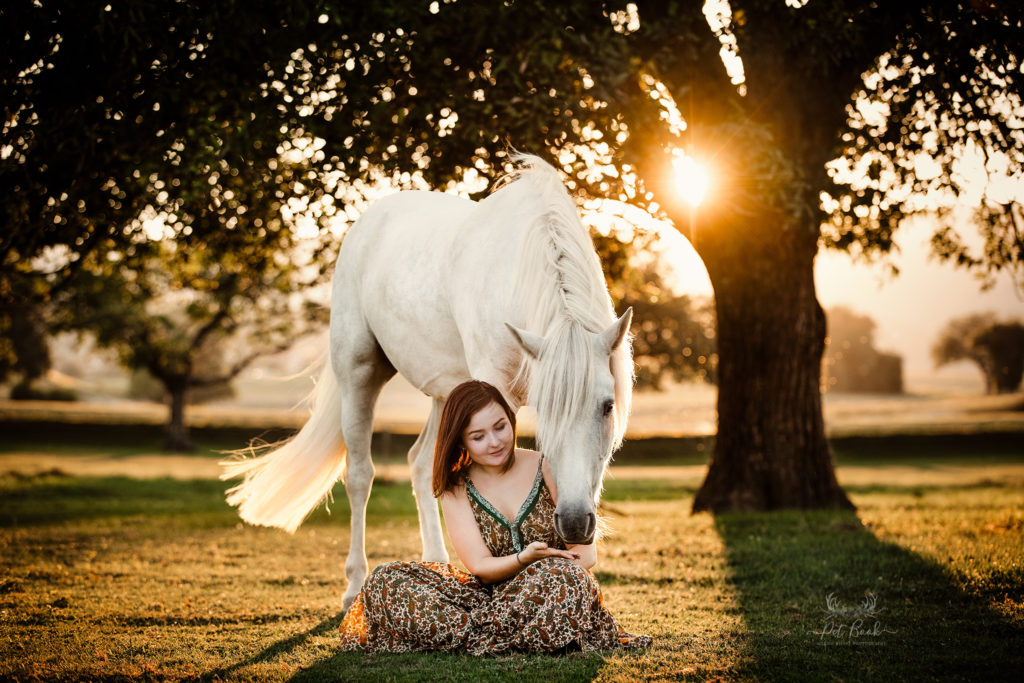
x=692 y=179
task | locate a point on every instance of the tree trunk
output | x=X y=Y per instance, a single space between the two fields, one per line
x=770 y=451
x=176 y=429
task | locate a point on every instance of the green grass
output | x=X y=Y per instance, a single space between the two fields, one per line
x=115 y=578
x=51 y=498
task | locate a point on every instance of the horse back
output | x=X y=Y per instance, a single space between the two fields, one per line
x=391 y=284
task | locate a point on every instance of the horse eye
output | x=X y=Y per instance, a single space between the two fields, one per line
x=606 y=409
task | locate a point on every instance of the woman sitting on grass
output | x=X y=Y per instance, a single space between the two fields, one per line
x=526 y=590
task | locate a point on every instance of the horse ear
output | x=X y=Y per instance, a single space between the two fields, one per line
x=530 y=342
x=614 y=335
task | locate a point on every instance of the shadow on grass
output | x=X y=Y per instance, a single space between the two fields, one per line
x=431 y=666
x=824 y=599
x=357 y=666
x=281 y=647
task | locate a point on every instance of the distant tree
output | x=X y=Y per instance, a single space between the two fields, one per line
x=210 y=362
x=997 y=348
x=851 y=362
x=673 y=335
x=23 y=349
x=165 y=306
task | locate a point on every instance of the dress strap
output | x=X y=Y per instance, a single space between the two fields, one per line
x=485 y=504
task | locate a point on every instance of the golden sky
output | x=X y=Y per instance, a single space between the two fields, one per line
x=910 y=309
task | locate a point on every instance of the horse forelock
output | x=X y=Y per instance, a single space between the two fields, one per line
x=561 y=385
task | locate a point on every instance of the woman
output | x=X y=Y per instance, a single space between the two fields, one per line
x=525 y=590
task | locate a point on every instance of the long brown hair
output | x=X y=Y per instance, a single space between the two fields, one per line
x=450 y=457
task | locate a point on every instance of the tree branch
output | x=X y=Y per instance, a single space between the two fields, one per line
x=676 y=39
x=239 y=366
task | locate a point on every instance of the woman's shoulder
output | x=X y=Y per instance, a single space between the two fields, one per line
x=529 y=461
x=455 y=494
x=529 y=456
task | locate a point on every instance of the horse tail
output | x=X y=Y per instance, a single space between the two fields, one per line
x=281 y=486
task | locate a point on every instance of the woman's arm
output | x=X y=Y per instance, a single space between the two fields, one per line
x=587 y=554
x=469 y=545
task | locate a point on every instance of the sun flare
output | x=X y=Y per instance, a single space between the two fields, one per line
x=692 y=179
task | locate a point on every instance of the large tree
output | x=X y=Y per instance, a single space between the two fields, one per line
x=852 y=363
x=610 y=91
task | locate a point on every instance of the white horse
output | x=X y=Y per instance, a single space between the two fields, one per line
x=442 y=289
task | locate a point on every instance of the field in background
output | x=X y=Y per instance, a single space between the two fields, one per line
x=681 y=411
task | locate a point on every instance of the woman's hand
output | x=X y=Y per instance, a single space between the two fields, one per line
x=538 y=550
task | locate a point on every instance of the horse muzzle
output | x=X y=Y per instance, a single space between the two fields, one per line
x=576 y=528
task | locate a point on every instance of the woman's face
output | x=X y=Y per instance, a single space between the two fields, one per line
x=488 y=436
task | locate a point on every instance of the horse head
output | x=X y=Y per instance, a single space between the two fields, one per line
x=580 y=385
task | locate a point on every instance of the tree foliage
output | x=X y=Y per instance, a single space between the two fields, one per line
x=673 y=334
x=151 y=187
x=111 y=108
x=101 y=97
x=996 y=347
x=1001 y=228
x=943 y=95
x=122 y=116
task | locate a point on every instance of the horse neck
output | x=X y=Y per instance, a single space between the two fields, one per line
x=557 y=274
x=559 y=292
x=563 y=297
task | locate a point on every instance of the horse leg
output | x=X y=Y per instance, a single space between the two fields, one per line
x=361 y=379
x=421 y=463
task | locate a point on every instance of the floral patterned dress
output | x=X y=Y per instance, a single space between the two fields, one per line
x=549 y=605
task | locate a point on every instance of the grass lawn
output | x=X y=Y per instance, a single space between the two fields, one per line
x=112 y=578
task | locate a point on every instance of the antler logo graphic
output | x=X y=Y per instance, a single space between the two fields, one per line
x=867 y=608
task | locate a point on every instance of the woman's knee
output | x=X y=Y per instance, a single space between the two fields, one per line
x=384 y=574
x=566 y=570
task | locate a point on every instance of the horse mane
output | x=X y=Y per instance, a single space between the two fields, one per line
x=561 y=292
